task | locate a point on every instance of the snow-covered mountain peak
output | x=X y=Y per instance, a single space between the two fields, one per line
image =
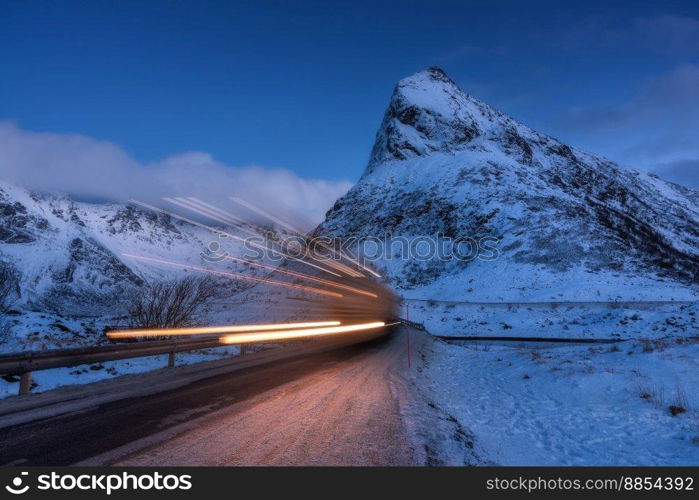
x=446 y=163
x=429 y=113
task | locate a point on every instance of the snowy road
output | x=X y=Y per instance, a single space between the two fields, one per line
x=343 y=412
x=333 y=408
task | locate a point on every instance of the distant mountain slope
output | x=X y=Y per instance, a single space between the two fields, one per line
x=69 y=254
x=571 y=225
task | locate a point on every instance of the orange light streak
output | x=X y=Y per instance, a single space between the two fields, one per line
x=236 y=276
x=218 y=215
x=259 y=211
x=217 y=210
x=184 y=203
x=198 y=207
x=229 y=235
x=208 y=330
x=303 y=276
x=243 y=338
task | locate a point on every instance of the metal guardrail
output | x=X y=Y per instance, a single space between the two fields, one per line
x=412 y=324
x=621 y=304
x=551 y=340
x=23 y=364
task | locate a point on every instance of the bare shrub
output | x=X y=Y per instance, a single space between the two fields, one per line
x=676 y=410
x=5 y=330
x=649 y=345
x=680 y=403
x=653 y=393
x=170 y=304
x=9 y=285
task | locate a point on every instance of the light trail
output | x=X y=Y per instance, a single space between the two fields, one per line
x=209 y=330
x=229 y=235
x=243 y=338
x=337 y=265
x=215 y=213
x=218 y=215
x=302 y=276
x=184 y=203
x=236 y=276
x=217 y=210
x=269 y=216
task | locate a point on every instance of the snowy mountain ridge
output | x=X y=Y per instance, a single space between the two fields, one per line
x=571 y=225
x=69 y=254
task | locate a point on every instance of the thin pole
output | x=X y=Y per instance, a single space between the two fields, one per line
x=25 y=383
x=407 y=318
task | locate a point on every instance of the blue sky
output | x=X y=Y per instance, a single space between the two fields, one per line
x=303 y=85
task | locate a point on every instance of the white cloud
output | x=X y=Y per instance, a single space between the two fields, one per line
x=87 y=168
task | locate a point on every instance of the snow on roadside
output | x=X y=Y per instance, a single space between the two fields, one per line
x=51 y=379
x=569 y=405
x=625 y=320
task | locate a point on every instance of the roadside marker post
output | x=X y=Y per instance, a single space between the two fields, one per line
x=25 y=383
x=407 y=318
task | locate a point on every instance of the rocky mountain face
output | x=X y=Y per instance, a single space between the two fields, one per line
x=68 y=255
x=569 y=225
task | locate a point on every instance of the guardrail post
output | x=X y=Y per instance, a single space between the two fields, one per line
x=25 y=383
x=171 y=360
x=243 y=349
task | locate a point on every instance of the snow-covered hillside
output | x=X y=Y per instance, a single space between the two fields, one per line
x=560 y=404
x=586 y=248
x=70 y=255
x=570 y=225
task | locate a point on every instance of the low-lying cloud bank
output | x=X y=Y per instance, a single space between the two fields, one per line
x=90 y=169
